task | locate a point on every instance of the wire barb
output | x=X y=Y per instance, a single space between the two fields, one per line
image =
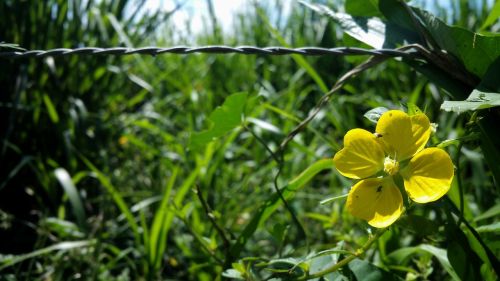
x=183 y=50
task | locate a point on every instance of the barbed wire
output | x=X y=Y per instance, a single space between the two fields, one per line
x=245 y=50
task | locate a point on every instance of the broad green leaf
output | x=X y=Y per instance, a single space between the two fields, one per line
x=398 y=31
x=460 y=260
x=476 y=242
x=402 y=255
x=488 y=124
x=476 y=101
x=441 y=256
x=477 y=52
x=460 y=254
x=74 y=197
x=362 y=8
x=454 y=88
x=395 y=12
x=366 y=271
x=371 y=31
x=224 y=119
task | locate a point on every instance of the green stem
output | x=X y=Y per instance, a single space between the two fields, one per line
x=459 y=183
x=346 y=260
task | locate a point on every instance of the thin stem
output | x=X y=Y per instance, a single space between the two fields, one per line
x=348 y=259
x=196 y=236
x=495 y=263
x=459 y=183
x=324 y=100
x=278 y=158
x=218 y=228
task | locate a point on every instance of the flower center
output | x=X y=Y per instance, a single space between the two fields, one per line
x=391 y=166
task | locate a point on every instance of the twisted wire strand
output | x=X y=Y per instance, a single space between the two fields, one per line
x=245 y=50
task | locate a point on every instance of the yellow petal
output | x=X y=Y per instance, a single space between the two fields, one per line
x=421 y=130
x=376 y=200
x=428 y=175
x=403 y=135
x=361 y=157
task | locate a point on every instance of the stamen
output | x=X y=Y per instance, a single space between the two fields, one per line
x=391 y=166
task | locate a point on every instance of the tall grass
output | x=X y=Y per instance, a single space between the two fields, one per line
x=95 y=148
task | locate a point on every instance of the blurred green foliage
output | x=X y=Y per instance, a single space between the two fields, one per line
x=99 y=179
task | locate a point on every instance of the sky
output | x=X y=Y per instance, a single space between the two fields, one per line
x=195 y=10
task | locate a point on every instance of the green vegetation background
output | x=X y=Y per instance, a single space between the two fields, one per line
x=99 y=179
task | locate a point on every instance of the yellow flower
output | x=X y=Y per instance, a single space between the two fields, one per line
x=396 y=148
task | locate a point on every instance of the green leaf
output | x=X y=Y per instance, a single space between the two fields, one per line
x=476 y=101
x=494 y=227
x=441 y=256
x=362 y=8
x=9 y=260
x=325 y=259
x=477 y=52
x=224 y=119
x=492 y=212
x=413 y=109
x=366 y=271
x=264 y=125
x=233 y=273
x=51 y=109
x=374 y=114
x=461 y=256
x=419 y=225
x=454 y=88
x=395 y=12
x=115 y=195
x=493 y=17
x=74 y=197
x=273 y=202
x=160 y=227
x=287 y=267
x=459 y=260
x=402 y=255
x=371 y=31
x=488 y=124
x=62 y=228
